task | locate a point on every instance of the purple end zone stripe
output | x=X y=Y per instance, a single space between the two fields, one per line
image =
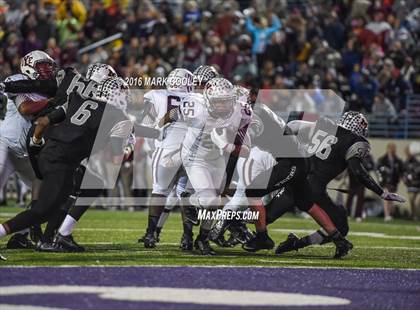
x=366 y=289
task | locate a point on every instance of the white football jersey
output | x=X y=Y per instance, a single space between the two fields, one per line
x=197 y=143
x=15 y=127
x=161 y=101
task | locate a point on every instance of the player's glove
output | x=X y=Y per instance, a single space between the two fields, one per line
x=221 y=140
x=2 y=87
x=392 y=197
x=36 y=144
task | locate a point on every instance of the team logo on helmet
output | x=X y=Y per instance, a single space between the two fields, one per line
x=37 y=65
x=356 y=122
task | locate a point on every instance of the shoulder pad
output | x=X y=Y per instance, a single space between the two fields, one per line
x=16 y=77
x=327 y=125
x=359 y=149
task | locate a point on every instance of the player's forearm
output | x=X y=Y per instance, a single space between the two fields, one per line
x=48 y=87
x=356 y=166
x=41 y=124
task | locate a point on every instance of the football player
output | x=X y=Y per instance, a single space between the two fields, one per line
x=84 y=127
x=333 y=148
x=202 y=75
x=210 y=119
x=291 y=169
x=15 y=127
x=166 y=160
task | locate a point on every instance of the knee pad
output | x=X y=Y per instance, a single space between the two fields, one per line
x=206 y=200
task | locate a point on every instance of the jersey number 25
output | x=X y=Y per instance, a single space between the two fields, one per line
x=321 y=144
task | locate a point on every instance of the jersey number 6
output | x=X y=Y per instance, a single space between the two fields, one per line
x=83 y=114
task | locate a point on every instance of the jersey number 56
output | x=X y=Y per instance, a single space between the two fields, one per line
x=321 y=144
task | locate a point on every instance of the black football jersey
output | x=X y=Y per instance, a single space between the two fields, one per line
x=89 y=125
x=330 y=148
x=270 y=133
x=68 y=80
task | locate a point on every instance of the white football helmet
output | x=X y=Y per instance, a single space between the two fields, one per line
x=114 y=91
x=37 y=65
x=180 y=79
x=220 y=97
x=354 y=121
x=99 y=72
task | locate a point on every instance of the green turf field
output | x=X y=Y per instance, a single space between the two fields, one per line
x=111 y=239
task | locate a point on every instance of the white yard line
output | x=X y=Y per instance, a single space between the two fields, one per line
x=355 y=233
x=329 y=246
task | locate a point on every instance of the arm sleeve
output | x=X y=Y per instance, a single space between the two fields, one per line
x=145 y=131
x=250 y=26
x=355 y=165
x=359 y=149
x=48 y=87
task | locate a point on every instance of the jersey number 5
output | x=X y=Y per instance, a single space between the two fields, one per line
x=321 y=144
x=83 y=114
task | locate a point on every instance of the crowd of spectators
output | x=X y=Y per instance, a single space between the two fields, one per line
x=366 y=51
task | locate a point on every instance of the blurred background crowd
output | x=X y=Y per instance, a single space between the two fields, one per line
x=368 y=52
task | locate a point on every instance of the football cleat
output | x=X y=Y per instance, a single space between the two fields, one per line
x=141 y=239
x=342 y=247
x=47 y=247
x=149 y=241
x=241 y=233
x=221 y=241
x=290 y=244
x=218 y=230
x=232 y=241
x=186 y=243
x=204 y=247
x=259 y=242
x=2 y=257
x=66 y=244
x=19 y=241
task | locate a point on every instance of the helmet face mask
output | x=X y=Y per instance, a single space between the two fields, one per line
x=355 y=122
x=220 y=97
x=115 y=92
x=37 y=65
x=99 y=72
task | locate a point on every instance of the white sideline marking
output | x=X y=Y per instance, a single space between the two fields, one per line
x=27 y=307
x=216 y=266
x=201 y=296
